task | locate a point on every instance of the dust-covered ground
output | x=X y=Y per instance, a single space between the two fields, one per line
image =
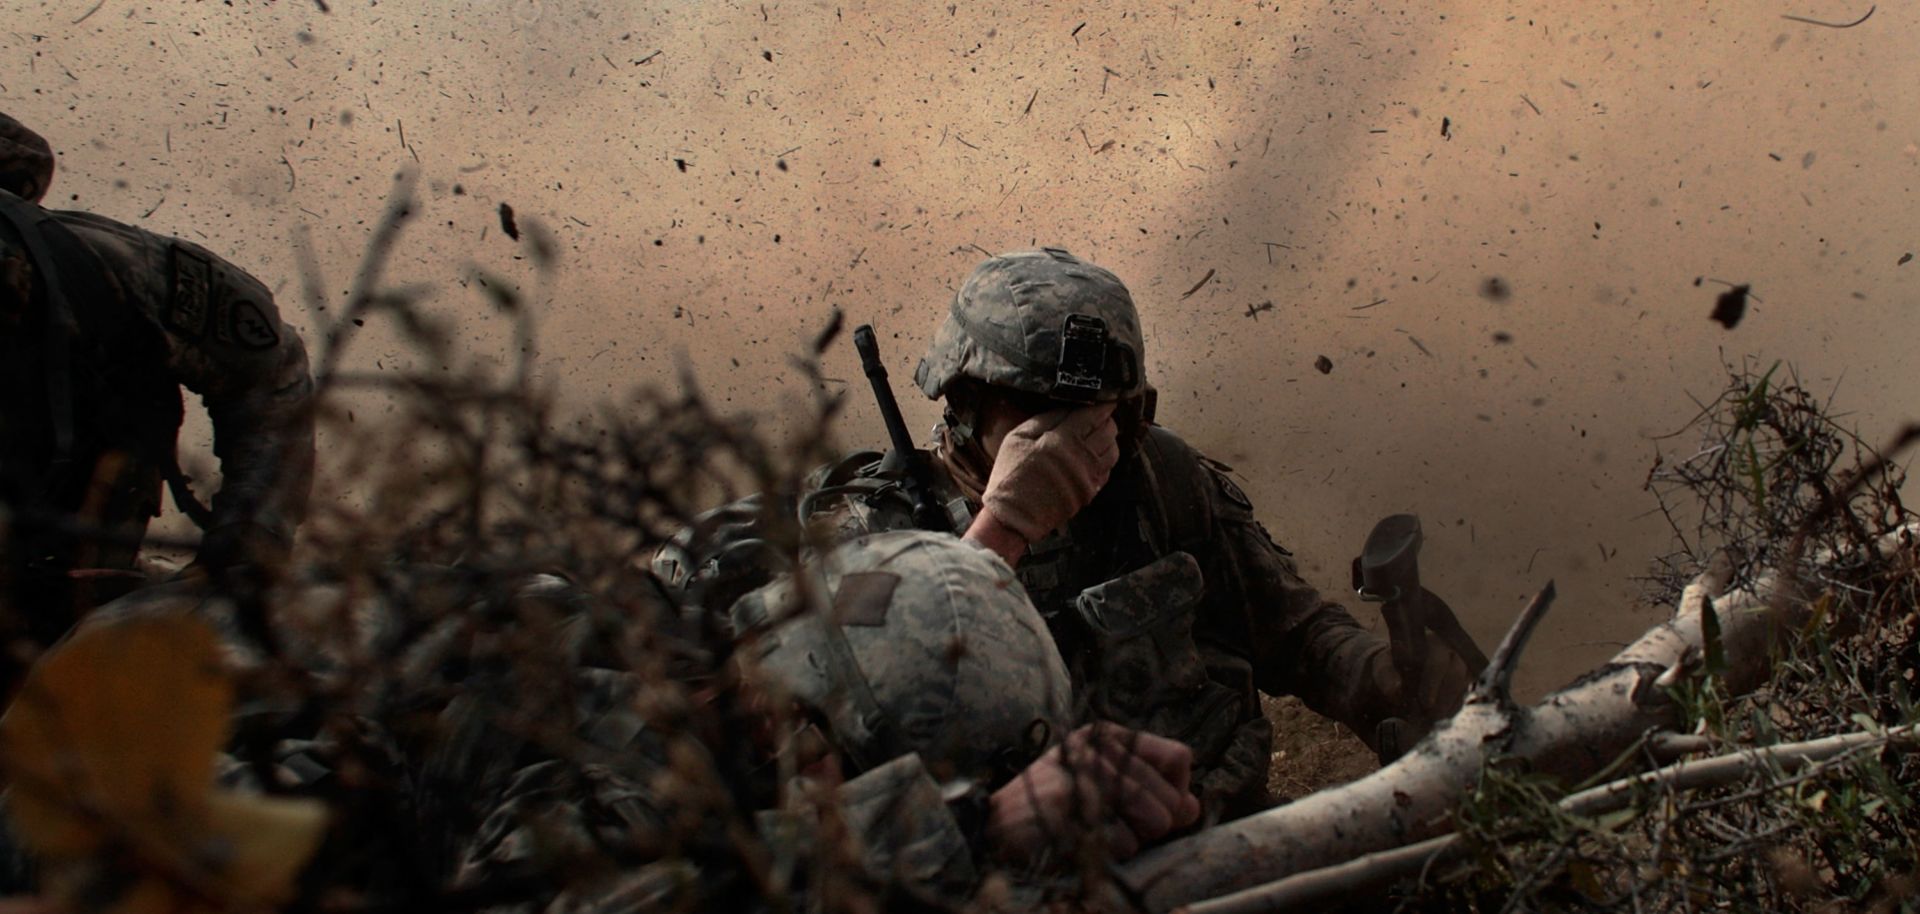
x=1504 y=227
x=1310 y=752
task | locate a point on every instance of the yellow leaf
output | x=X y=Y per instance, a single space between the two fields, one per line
x=268 y=839
x=114 y=734
x=109 y=749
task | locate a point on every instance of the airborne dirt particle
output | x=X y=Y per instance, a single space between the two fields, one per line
x=1323 y=364
x=507 y=224
x=1495 y=289
x=1730 y=307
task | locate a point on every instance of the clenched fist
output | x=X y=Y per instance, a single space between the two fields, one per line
x=1130 y=785
x=1049 y=467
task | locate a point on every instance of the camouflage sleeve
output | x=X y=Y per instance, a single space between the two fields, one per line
x=909 y=838
x=1299 y=642
x=250 y=370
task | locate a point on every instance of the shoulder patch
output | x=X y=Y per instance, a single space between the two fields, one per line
x=250 y=327
x=1233 y=493
x=190 y=294
x=1219 y=471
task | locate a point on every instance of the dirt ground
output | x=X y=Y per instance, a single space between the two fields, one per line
x=1311 y=752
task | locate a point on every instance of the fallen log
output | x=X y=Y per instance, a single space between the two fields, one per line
x=1573 y=733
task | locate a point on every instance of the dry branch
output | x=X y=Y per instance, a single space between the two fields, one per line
x=1573 y=733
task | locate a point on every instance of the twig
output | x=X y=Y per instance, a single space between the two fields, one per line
x=1197 y=285
x=1496 y=682
x=366 y=284
x=1831 y=25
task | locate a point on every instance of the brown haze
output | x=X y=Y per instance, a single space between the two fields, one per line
x=722 y=175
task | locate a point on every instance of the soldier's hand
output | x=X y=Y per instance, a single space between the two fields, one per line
x=1444 y=686
x=1131 y=787
x=1049 y=467
x=1444 y=681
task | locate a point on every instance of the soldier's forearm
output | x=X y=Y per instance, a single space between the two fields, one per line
x=266 y=463
x=990 y=531
x=1348 y=674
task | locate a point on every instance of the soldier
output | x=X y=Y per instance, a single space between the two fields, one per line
x=1170 y=602
x=100 y=325
x=901 y=705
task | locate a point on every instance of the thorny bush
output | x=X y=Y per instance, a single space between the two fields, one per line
x=1775 y=481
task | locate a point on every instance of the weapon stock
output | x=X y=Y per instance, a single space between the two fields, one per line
x=1387 y=572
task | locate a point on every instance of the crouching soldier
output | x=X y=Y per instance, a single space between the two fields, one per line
x=101 y=323
x=1173 y=607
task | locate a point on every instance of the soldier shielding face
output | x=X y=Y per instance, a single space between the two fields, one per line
x=1172 y=607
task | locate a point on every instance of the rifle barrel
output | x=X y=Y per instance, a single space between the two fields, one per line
x=863 y=340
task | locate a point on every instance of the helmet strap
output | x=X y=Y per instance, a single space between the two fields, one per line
x=960 y=431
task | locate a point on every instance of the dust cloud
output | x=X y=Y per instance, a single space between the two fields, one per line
x=1487 y=218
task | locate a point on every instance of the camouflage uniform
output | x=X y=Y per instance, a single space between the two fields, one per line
x=100 y=325
x=1172 y=605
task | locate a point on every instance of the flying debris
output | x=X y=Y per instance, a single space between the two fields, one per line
x=1731 y=306
x=507 y=224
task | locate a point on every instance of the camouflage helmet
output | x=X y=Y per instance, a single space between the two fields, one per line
x=1040 y=321
x=925 y=643
x=26 y=161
